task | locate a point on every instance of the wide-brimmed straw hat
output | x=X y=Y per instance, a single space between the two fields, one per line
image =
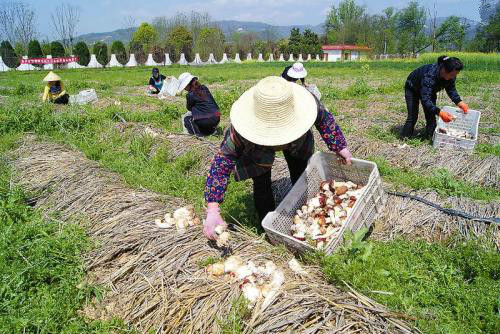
x=184 y=80
x=297 y=71
x=274 y=112
x=52 y=77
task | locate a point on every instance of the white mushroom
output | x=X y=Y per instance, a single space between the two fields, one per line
x=242 y=272
x=219 y=229
x=232 y=264
x=181 y=224
x=184 y=213
x=216 y=269
x=277 y=279
x=296 y=267
x=251 y=293
x=270 y=267
x=223 y=239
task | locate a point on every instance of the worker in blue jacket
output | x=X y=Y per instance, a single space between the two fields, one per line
x=423 y=84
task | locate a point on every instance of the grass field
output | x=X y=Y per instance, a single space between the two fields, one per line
x=445 y=282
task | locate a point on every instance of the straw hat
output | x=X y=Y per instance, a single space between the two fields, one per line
x=52 y=77
x=274 y=112
x=297 y=71
x=184 y=80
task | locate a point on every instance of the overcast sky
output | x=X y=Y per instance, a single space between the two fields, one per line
x=107 y=15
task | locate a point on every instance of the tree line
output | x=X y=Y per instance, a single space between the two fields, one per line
x=412 y=29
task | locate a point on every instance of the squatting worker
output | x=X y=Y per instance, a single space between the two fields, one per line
x=423 y=84
x=203 y=114
x=54 y=90
x=275 y=115
x=298 y=72
x=156 y=81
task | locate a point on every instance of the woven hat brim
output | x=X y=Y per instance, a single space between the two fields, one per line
x=281 y=133
x=296 y=75
x=52 y=77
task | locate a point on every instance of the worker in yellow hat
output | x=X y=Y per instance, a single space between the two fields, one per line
x=54 y=91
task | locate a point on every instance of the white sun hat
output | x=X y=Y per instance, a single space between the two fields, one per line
x=52 y=77
x=274 y=112
x=184 y=80
x=297 y=71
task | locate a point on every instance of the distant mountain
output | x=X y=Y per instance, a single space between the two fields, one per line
x=123 y=35
x=262 y=29
x=228 y=27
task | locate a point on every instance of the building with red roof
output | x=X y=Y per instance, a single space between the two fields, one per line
x=344 y=52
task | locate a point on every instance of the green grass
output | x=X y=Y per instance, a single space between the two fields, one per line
x=42 y=284
x=440 y=180
x=446 y=289
x=143 y=162
x=488 y=149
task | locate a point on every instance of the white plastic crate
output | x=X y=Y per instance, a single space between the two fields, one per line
x=325 y=166
x=468 y=122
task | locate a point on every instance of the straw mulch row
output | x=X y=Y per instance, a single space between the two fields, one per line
x=155 y=278
x=472 y=168
x=403 y=217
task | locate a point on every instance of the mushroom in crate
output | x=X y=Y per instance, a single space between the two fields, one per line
x=321 y=219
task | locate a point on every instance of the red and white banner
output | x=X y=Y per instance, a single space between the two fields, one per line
x=62 y=60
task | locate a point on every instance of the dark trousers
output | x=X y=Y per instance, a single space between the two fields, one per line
x=263 y=193
x=412 y=103
x=201 y=127
x=62 y=99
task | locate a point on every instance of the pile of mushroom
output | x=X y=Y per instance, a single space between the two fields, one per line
x=256 y=282
x=321 y=220
x=456 y=133
x=181 y=219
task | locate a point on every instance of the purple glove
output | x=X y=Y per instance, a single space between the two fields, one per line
x=213 y=220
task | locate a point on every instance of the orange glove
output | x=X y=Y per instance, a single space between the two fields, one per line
x=462 y=105
x=446 y=116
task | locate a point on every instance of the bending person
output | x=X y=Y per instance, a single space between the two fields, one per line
x=156 y=81
x=54 y=90
x=275 y=115
x=203 y=114
x=423 y=84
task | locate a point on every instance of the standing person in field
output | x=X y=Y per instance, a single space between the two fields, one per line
x=54 y=90
x=203 y=114
x=298 y=72
x=275 y=115
x=423 y=84
x=156 y=81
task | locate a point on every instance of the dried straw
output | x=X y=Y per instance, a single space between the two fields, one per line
x=472 y=168
x=404 y=217
x=154 y=275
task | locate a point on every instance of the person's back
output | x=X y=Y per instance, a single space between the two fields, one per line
x=201 y=103
x=417 y=75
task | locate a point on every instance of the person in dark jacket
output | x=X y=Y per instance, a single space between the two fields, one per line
x=423 y=84
x=203 y=114
x=156 y=81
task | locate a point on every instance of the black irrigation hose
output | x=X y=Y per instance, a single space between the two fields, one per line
x=451 y=212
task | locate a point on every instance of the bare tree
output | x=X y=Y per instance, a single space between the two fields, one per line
x=129 y=22
x=17 y=22
x=65 y=18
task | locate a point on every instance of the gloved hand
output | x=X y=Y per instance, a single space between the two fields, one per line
x=462 y=105
x=346 y=155
x=213 y=220
x=446 y=116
